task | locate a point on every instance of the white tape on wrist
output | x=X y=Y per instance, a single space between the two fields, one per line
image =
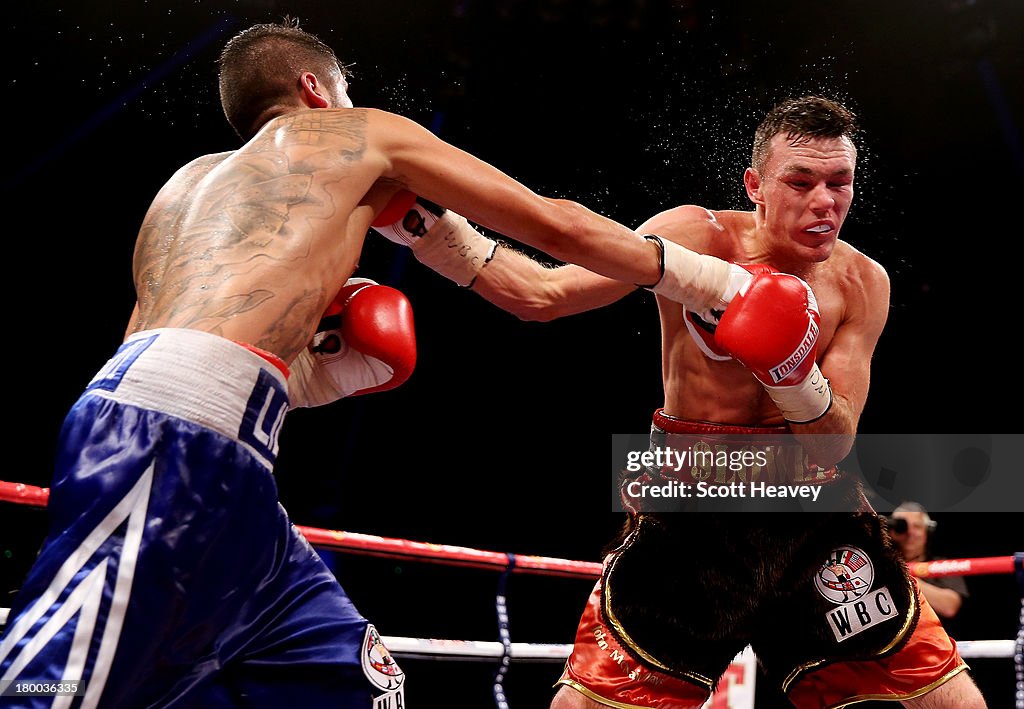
x=413 y=226
x=453 y=248
x=804 y=402
x=698 y=281
x=319 y=379
x=307 y=385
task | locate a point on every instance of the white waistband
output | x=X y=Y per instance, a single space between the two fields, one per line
x=201 y=378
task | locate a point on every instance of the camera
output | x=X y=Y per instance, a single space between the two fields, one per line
x=897 y=525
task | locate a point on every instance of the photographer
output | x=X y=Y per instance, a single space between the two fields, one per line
x=910 y=527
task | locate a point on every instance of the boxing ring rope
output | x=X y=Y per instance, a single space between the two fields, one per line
x=370 y=545
x=504 y=651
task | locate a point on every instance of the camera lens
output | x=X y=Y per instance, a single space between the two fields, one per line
x=897 y=525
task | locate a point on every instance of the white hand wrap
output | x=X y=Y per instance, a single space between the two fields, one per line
x=455 y=249
x=804 y=402
x=445 y=242
x=318 y=378
x=702 y=283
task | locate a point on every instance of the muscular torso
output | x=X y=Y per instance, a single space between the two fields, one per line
x=699 y=388
x=252 y=245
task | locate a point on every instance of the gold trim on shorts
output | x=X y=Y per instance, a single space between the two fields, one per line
x=912 y=611
x=606 y=604
x=900 y=697
x=596 y=697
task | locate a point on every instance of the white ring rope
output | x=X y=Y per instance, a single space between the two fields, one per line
x=504 y=651
x=431 y=648
x=421 y=648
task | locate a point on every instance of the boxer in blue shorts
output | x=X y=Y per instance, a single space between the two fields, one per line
x=171 y=576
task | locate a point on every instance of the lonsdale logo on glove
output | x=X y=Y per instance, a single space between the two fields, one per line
x=772 y=328
x=808 y=345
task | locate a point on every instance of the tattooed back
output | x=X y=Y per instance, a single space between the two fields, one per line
x=253 y=244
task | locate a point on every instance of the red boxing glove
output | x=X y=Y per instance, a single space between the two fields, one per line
x=702 y=326
x=396 y=209
x=365 y=343
x=771 y=327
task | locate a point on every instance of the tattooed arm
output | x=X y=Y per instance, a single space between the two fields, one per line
x=483 y=194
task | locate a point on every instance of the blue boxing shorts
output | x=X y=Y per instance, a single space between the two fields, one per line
x=171 y=575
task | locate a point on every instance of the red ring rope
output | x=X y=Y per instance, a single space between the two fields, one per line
x=463 y=556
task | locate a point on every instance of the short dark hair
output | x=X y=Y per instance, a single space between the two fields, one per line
x=259 y=67
x=802 y=118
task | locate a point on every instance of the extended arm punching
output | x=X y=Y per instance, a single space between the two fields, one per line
x=565 y=230
x=448 y=244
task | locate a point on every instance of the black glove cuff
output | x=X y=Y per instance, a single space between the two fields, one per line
x=661 y=259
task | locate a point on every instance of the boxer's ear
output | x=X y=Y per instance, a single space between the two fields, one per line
x=752 y=182
x=313 y=93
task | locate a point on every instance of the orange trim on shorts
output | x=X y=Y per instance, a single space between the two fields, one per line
x=601 y=666
x=596 y=697
x=928 y=659
x=900 y=697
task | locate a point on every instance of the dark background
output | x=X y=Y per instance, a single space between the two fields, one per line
x=500 y=439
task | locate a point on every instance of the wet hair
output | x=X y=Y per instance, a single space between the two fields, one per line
x=259 y=68
x=801 y=119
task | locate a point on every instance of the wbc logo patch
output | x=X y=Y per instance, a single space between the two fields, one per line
x=845 y=578
x=380 y=668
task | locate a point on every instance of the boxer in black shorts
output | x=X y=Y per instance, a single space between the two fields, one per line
x=792 y=350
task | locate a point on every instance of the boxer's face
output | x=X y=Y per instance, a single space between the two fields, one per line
x=804 y=189
x=339 y=92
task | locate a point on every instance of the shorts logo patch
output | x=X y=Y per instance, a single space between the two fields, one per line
x=845 y=576
x=264 y=415
x=110 y=376
x=851 y=618
x=379 y=665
